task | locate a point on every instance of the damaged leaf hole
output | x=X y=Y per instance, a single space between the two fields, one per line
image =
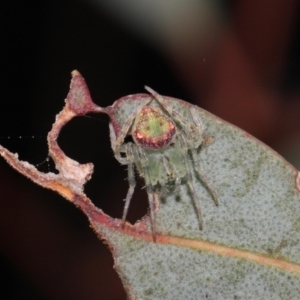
x=74 y=136
x=87 y=140
x=165 y=132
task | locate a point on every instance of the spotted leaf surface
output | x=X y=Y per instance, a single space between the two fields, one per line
x=249 y=247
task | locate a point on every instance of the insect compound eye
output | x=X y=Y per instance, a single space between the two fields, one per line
x=153 y=129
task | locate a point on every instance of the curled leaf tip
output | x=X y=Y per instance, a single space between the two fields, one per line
x=79 y=99
x=75 y=73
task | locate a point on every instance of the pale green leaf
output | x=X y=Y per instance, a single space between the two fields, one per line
x=249 y=247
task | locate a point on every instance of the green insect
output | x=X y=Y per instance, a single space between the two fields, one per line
x=164 y=141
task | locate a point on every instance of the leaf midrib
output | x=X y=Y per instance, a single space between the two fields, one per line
x=212 y=247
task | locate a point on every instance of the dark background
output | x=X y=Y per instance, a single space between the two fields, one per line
x=251 y=78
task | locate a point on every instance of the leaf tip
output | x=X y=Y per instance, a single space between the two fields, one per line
x=75 y=73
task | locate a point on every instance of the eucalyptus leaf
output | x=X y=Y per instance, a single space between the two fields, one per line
x=249 y=247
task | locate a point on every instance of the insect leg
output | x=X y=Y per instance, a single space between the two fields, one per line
x=194 y=128
x=203 y=177
x=132 y=183
x=120 y=136
x=140 y=155
x=121 y=149
x=197 y=120
x=190 y=181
